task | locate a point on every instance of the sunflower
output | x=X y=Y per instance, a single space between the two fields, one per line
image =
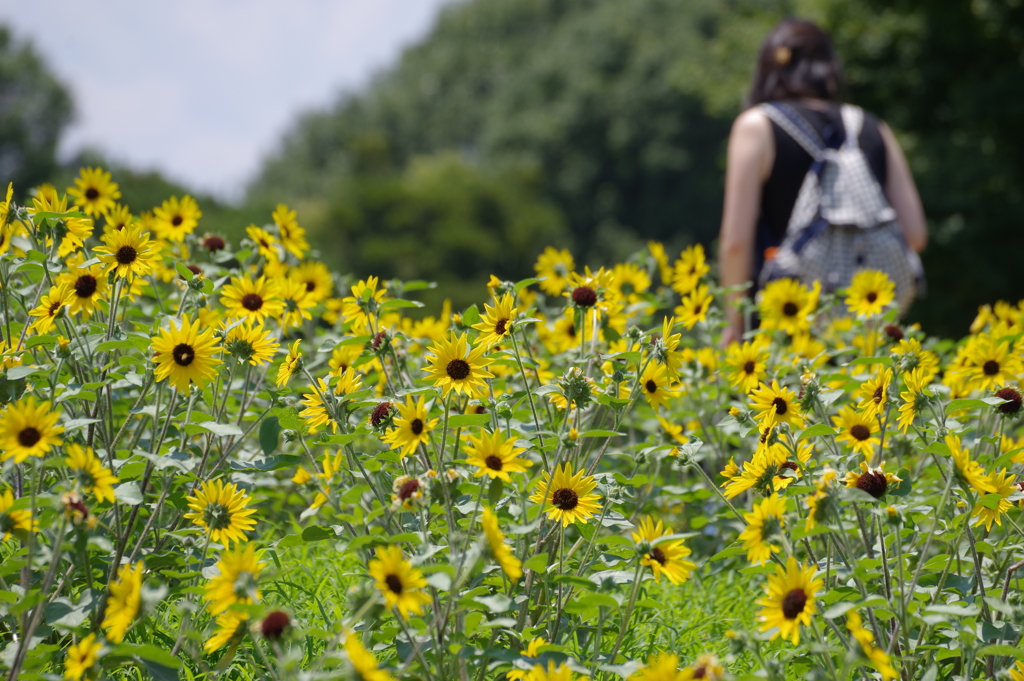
x=94 y=192
x=628 y=282
x=531 y=652
x=969 y=471
x=237 y=580
x=92 y=476
x=559 y=336
x=787 y=305
x=127 y=252
x=1017 y=673
x=694 y=307
x=657 y=251
x=5 y=213
x=662 y=667
x=412 y=427
x=823 y=502
x=82 y=658
x=707 y=667
x=315 y=413
x=89 y=285
x=296 y=304
x=874 y=393
x=874 y=481
x=230 y=626
x=28 y=429
x=266 y=244
x=663 y=557
x=293 y=237
x=790 y=601
x=398 y=581
x=913 y=397
x=869 y=293
x=858 y=429
x=316 y=279
x=363 y=662
x=50 y=306
x=500 y=551
x=553 y=267
x=124 y=602
x=495 y=456
x=763 y=523
x=568 y=494
x=806 y=347
x=774 y=404
x=252 y=300
x=654 y=385
x=876 y=656
x=991 y=363
x=1003 y=484
x=76 y=230
x=249 y=342
x=688 y=270
x=118 y=217
x=745 y=364
x=222 y=510
x=552 y=672
x=343 y=357
x=174 y=219
x=496 y=324
x=456 y=365
x=184 y=355
x=14 y=523
x=362 y=306
x=291 y=364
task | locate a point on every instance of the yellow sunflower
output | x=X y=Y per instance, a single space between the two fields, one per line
x=869 y=293
x=77 y=230
x=1003 y=484
x=90 y=473
x=118 y=217
x=664 y=557
x=553 y=267
x=28 y=429
x=412 y=427
x=552 y=672
x=628 y=282
x=127 y=252
x=398 y=581
x=774 y=404
x=315 y=277
x=662 y=667
x=787 y=305
x=230 y=627
x=991 y=363
x=874 y=394
x=689 y=269
x=173 y=219
x=969 y=471
x=315 y=413
x=94 y=192
x=124 y=602
x=14 y=523
x=50 y=306
x=250 y=342
x=252 y=300
x=237 y=580
x=568 y=495
x=823 y=502
x=500 y=551
x=221 y=508
x=365 y=665
x=295 y=304
x=456 y=365
x=291 y=364
x=360 y=308
x=763 y=523
x=293 y=237
x=496 y=324
x=745 y=364
x=184 y=355
x=858 y=429
x=657 y=251
x=495 y=456
x=654 y=385
x=790 y=601
x=266 y=244
x=89 y=285
x=694 y=306
x=876 y=656
x=82 y=658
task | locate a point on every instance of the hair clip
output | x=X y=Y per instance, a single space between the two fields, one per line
x=782 y=55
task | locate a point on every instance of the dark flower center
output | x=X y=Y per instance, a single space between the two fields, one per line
x=700 y=672
x=877 y=396
x=789 y=465
x=85 y=286
x=874 y=483
x=394 y=583
x=126 y=255
x=565 y=499
x=658 y=555
x=310 y=285
x=183 y=354
x=494 y=462
x=871 y=297
x=781 y=406
x=584 y=296
x=894 y=333
x=991 y=367
x=177 y=220
x=793 y=603
x=252 y=301
x=457 y=369
x=790 y=309
x=500 y=327
x=1013 y=405
x=408 y=489
x=28 y=437
x=92 y=193
x=195 y=269
x=379 y=339
x=651 y=386
x=749 y=368
x=416 y=426
x=274 y=624
x=214 y=243
x=380 y=412
x=860 y=432
x=479 y=409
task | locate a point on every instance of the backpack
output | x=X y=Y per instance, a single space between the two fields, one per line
x=841 y=222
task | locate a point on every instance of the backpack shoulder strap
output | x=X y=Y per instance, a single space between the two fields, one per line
x=790 y=120
x=853 y=121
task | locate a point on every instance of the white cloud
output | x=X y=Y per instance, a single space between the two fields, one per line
x=202 y=89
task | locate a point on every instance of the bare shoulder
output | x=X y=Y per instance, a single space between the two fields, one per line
x=752 y=123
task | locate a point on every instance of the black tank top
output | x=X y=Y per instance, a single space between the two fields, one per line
x=778 y=195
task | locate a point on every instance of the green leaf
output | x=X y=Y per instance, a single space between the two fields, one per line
x=396 y=303
x=991 y=501
x=465 y=420
x=185 y=272
x=495 y=603
x=903 y=488
x=317 y=533
x=270 y=430
x=964 y=403
x=36 y=341
x=221 y=429
x=128 y=493
x=537 y=563
x=728 y=553
x=601 y=433
x=816 y=430
x=494 y=492
x=78 y=423
x=15 y=373
x=471 y=316
x=1008 y=651
x=869 y=360
x=523 y=283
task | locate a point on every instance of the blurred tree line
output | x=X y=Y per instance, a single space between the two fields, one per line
x=599 y=124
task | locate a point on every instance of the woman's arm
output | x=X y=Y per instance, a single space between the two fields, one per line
x=749 y=162
x=902 y=192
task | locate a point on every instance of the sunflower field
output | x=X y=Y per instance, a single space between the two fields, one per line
x=224 y=461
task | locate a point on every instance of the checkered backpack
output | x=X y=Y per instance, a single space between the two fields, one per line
x=841 y=222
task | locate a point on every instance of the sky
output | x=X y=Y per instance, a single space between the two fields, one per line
x=202 y=90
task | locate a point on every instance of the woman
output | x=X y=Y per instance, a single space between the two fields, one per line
x=766 y=167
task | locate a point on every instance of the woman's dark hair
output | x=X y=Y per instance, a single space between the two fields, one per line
x=796 y=60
